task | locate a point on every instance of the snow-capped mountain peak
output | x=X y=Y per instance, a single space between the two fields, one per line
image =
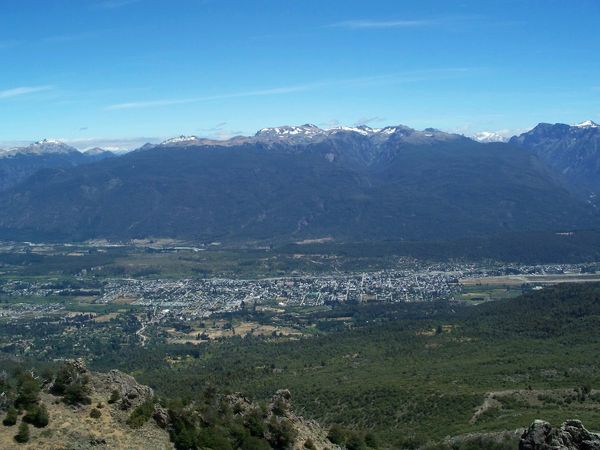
x=489 y=136
x=587 y=124
x=180 y=140
x=46 y=146
x=287 y=130
x=48 y=142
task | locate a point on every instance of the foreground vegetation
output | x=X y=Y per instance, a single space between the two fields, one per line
x=403 y=375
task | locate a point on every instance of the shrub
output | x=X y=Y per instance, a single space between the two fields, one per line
x=63 y=377
x=77 y=393
x=95 y=413
x=11 y=417
x=282 y=433
x=114 y=397
x=28 y=393
x=337 y=435
x=279 y=407
x=183 y=431
x=355 y=442
x=47 y=376
x=255 y=443
x=72 y=386
x=212 y=438
x=255 y=423
x=37 y=416
x=141 y=414
x=23 y=435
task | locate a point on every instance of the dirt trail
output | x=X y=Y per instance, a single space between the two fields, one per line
x=490 y=402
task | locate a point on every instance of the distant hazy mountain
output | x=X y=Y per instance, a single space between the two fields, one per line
x=97 y=154
x=296 y=182
x=17 y=164
x=573 y=151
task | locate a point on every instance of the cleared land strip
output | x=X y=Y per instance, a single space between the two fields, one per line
x=531 y=279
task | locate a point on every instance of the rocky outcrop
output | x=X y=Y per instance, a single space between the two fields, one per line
x=100 y=422
x=279 y=411
x=571 y=435
x=130 y=392
x=112 y=411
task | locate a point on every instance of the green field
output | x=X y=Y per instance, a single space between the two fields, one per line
x=478 y=294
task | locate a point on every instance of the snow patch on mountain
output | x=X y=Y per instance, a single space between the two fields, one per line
x=361 y=129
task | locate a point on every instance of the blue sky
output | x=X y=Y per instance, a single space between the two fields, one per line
x=120 y=72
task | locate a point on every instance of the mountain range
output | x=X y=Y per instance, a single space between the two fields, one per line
x=18 y=164
x=292 y=182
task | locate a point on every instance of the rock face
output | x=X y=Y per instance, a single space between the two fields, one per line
x=307 y=433
x=571 y=435
x=131 y=393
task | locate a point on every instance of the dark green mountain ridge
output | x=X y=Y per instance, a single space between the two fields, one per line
x=369 y=185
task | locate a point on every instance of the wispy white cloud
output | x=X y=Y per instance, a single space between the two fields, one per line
x=366 y=24
x=449 y=21
x=23 y=90
x=407 y=77
x=182 y=101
